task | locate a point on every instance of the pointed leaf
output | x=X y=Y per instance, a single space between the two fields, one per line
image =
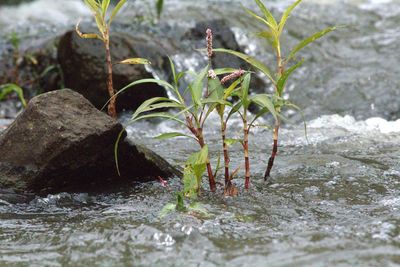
x=309 y=40
x=171 y=135
x=135 y=61
x=116 y=10
x=252 y=61
x=245 y=90
x=286 y=15
x=260 y=19
x=196 y=88
x=9 y=88
x=87 y=35
x=264 y=101
x=159 y=7
x=282 y=80
x=104 y=6
x=268 y=15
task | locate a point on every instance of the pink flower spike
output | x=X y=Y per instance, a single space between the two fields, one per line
x=209 y=43
x=232 y=76
x=162 y=182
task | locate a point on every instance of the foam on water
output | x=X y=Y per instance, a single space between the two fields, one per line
x=352 y=125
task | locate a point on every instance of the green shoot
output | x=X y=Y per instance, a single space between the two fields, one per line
x=272 y=34
x=10 y=88
x=99 y=9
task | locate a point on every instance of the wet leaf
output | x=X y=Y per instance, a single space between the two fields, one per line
x=135 y=61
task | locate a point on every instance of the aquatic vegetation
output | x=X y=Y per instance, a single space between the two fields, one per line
x=99 y=10
x=10 y=88
x=285 y=66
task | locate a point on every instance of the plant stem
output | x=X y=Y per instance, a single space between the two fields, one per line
x=246 y=151
x=281 y=70
x=111 y=106
x=209 y=169
x=274 y=150
x=226 y=154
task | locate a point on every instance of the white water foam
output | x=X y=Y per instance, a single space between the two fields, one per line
x=43 y=11
x=350 y=124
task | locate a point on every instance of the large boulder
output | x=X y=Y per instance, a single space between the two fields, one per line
x=61 y=142
x=83 y=64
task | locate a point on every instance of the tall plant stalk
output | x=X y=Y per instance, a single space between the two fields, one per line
x=272 y=34
x=99 y=10
x=112 y=111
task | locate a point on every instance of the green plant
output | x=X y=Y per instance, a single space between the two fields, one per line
x=159 y=7
x=99 y=10
x=285 y=66
x=10 y=88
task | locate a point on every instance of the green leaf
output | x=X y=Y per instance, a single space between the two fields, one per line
x=159 y=7
x=104 y=6
x=282 y=80
x=222 y=71
x=235 y=109
x=170 y=207
x=196 y=88
x=245 y=91
x=116 y=145
x=12 y=88
x=270 y=37
x=198 y=208
x=166 y=85
x=309 y=40
x=171 y=135
x=231 y=88
x=252 y=61
x=135 y=61
x=146 y=105
x=157 y=115
x=230 y=141
x=286 y=15
x=268 y=15
x=87 y=35
x=116 y=10
x=215 y=89
x=93 y=6
x=272 y=27
x=190 y=182
x=180 y=204
x=264 y=101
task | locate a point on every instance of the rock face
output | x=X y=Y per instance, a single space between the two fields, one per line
x=83 y=64
x=63 y=143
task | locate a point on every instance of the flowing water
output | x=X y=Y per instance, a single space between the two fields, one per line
x=334 y=199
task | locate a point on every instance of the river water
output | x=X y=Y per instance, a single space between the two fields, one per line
x=334 y=199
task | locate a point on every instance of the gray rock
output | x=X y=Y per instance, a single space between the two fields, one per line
x=63 y=143
x=83 y=64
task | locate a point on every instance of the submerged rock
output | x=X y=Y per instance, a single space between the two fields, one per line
x=63 y=143
x=83 y=64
